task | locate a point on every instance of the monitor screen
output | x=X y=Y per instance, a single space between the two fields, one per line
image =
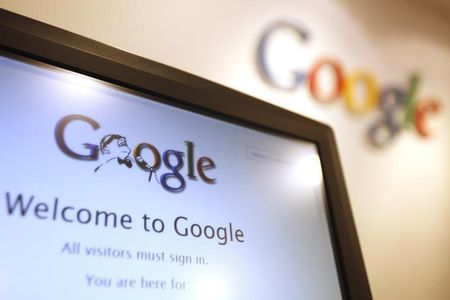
x=122 y=178
x=107 y=194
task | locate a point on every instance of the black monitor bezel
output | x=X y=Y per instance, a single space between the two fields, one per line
x=29 y=38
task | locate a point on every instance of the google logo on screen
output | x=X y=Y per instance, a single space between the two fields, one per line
x=398 y=105
x=113 y=150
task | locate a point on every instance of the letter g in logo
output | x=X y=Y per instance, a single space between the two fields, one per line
x=263 y=65
x=59 y=135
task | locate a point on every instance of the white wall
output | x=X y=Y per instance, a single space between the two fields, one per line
x=400 y=194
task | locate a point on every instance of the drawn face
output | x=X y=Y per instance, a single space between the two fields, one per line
x=117 y=148
x=123 y=149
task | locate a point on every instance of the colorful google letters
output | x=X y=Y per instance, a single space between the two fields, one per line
x=398 y=106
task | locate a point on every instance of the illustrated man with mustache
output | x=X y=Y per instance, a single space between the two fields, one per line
x=115 y=148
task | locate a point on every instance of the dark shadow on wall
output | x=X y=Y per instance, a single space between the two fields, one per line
x=391 y=19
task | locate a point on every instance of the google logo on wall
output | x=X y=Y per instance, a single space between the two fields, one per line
x=398 y=106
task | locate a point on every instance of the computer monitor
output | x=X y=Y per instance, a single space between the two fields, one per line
x=122 y=178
